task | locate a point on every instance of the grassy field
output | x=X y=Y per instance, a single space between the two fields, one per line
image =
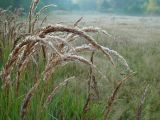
x=137 y=39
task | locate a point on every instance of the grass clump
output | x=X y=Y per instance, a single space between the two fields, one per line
x=42 y=78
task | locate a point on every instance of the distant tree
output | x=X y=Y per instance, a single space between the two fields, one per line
x=87 y=4
x=75 y=7
x=6 y=3
x=128 y=6
x=152 y=6
x=65 y=4
x=118 y=6
x=136 y=7
x=103 y=5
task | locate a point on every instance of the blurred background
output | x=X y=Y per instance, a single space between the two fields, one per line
x=131 y=7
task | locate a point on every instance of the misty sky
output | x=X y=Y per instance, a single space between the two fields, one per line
x=75 y=1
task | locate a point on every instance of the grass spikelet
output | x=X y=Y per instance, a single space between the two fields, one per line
x=77 y=22
x=140 y=106
x=60 y=28
x=11 y=61
x=113 y=96
x=50 y=67
x=95 y=29
x=92 y=86
x=39 y=13
x=23 y=62
x=27 y=99
x=56 y=44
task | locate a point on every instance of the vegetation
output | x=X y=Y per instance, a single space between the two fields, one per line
x=42 y=78
x=106 y=6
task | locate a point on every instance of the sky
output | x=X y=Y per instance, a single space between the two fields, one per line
x=75 y=1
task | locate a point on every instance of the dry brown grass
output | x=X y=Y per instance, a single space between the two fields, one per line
x=56 y=53
x=58 y=49
x=140 y=106
x=113 y=97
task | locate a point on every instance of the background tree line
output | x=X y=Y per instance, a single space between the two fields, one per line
x=112 y=6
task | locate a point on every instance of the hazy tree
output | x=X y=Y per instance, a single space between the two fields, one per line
x=6 y=3
x=87 y=4
x=103 y=5
x=152 y=6
x=118 y=6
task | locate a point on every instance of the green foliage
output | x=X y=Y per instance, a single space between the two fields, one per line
x=6 y=3
x=152 y=6
x=69 y=101
x=116 y=6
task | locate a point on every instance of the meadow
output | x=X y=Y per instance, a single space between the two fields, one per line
x=137 y=39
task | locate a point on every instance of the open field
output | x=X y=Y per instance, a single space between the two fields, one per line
x=137 y=39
